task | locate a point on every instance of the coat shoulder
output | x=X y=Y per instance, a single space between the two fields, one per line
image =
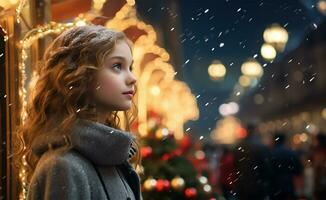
x=63 y=160
x=64 y=172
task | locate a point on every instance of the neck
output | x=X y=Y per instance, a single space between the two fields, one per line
x=102 y=115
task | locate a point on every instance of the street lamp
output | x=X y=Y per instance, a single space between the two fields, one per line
x=322 y=6
x=277 y=36
x=252 y=68
x=216 y=70
x=244 y=80
x=268 y=51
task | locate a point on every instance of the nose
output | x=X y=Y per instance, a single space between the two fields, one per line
x=131 y=80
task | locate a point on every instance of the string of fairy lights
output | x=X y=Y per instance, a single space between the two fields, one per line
x=24 y=44
x=5 y=37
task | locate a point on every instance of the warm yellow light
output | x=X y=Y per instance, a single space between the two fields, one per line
x=150 y=183
x=323 y=113
x=216 y=70
x=303 y=137
x=226 y=130
x=322 y=6
x=80 y=22
x=276 y=35
x=252 y=68
x=268 y=51
x=177 y=182
x=244 y=81
x=155 y=90
x=131 y=2
x=98 y=4
x=8 y=4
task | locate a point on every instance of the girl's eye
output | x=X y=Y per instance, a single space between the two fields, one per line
x=117 y=66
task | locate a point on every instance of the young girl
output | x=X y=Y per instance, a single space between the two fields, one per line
x=75 y=147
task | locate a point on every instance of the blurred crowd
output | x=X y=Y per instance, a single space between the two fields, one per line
x=252 y=169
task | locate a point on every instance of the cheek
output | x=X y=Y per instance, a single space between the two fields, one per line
x=108 y=84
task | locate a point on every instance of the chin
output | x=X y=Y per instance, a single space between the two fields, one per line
x=124 y=108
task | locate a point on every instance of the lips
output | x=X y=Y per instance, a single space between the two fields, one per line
x=129 y=92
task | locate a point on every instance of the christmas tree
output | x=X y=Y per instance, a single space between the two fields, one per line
x=172 y=168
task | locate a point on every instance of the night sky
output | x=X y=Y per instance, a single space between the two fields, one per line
x=230 y=31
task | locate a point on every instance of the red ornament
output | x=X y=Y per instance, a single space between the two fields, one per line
x=146 y=151
x=185 y=142
x=167 y=185
x=171 y=135
x=242 y=133
x=177 y=152
x=152 y=113
x=134 y=126
x=162 y=185
x=191 y=193
x=166 y=157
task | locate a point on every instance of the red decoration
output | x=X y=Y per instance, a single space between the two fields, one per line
x=177 y=152
x=167 y=185
x=146 y=151
x=171 y=135
x=185 y=143
x=166 y=157
x=152 y=113
x=191 y=193
x=242 y=133
x=155 y=116
x=134 y=126
x=162 y=185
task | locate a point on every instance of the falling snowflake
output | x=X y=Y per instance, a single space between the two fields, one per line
x=315 y=25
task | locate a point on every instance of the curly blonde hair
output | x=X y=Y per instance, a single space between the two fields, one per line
x=66 y=79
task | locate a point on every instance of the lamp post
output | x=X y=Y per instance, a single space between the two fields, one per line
x=277 y=36
x=268 y=52
x=216 y=70
x=322 y=6
x=252 y=68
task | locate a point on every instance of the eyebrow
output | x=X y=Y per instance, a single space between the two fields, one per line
x=122 y=58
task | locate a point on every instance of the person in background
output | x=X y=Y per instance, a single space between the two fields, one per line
x=319 y=166
x=252 y=168
x=286 y=167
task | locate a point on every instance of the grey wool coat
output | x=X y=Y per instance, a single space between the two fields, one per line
x=95 y=168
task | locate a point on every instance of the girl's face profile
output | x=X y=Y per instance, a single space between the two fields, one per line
x=115 y=82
